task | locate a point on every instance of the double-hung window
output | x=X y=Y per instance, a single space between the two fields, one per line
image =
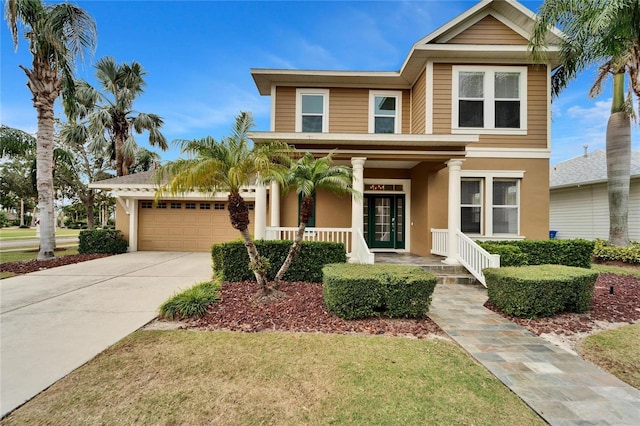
x=312 y=107
x=471 y=206
x=489 y=99
x=505 y=206
x=385 y=111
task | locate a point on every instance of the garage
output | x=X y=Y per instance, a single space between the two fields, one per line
x=185 y=225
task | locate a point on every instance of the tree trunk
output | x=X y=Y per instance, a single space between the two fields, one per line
x=618 y=166
x=21 y=212
x=44 y=84
x=306 y=209
x=120 y=169
x=88 y=204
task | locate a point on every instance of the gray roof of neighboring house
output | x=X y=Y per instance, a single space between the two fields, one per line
x=590 y=168
x=142 y=178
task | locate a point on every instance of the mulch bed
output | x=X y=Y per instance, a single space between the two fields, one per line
x=303 y=311
x=621 y=306
x=27 y=266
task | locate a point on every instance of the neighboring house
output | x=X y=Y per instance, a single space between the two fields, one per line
x=458 y=138
x=579 y=201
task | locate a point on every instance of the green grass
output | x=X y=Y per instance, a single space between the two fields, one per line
x=191 y=303
x=7 y=234
x=617 y=351
x=605 y=269
x=191 y=377
x=15 y=256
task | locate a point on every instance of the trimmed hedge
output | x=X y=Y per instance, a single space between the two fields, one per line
x=603 y=251
x=231 y=260
x=541 y=290
x=102 y=241
x=354 y=291
x=542 y=252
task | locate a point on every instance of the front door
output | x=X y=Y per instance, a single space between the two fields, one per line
x=384 y=221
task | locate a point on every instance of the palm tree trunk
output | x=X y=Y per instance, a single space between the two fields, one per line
x=89 y=201
x=618 y=170
x=256 y=262
x=291 y=256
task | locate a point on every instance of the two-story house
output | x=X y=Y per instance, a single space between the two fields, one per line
x=457 y=139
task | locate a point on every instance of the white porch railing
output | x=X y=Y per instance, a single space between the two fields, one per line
x=475 y=258
x=439 y=242
x=470 y=255
x=336 y=235
x=361 y=252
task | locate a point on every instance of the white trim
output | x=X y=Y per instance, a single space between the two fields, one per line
x=390 y=94
x=489 y=99
x=325 y=107
x=133 y=226
x=428 y=98
x=367 y=138
x=272 y=121
x=385 y=152
x=406 y=191
x=549 y=107
x=533 y=153
x=482 y=199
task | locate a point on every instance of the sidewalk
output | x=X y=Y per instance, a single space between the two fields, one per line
x=53 y=321
x=562 y=388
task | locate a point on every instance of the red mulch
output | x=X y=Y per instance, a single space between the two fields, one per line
x=621 y=306
x=27 y=266
x=302 y=310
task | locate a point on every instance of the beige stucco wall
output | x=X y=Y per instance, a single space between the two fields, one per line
x=489 y=31
x=122 y=221
x=332 y=211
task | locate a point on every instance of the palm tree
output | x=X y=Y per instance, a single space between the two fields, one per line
x=606 y=34
x=227 y=166
x=57 y=34
x=114 y=121
x=307 y=176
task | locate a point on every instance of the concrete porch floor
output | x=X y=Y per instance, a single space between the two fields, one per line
x=407 y=259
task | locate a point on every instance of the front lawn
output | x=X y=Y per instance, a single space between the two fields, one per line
x=190 y=377
x=7 y=234
x=17 y=256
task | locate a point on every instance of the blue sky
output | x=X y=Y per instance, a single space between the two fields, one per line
x=198 y=56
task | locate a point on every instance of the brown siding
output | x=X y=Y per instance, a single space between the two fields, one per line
x=536 y=109
x=349 y=110
x=488 y=31
x=406 y=111
x=418 y=104
x=442 y=98
x=285 y=109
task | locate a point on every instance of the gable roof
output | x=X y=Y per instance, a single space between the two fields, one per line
x=142 y=178
x=586 y=169
x=510 y=13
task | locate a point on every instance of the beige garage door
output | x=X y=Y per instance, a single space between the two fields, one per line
x=184 y=225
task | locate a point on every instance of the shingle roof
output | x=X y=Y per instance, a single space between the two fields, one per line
x=590 y=168
x=141 y=178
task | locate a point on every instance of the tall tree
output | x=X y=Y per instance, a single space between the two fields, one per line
x=227 y=166
x=57 y=35
x=307 y=176
x=606 y=34
x=114 y=121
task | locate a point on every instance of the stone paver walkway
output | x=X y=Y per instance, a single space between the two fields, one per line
x=562 y=388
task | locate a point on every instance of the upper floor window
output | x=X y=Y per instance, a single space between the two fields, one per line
x=489 y=99
x=312 y=110
x=385 y=112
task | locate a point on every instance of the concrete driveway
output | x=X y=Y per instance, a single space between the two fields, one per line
x=53 y=321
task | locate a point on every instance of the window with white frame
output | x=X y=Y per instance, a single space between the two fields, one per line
x=505 y=206
x=489 y=99
x=490 y=203
x=471 y=206
x=385 y=112
x=312 y=107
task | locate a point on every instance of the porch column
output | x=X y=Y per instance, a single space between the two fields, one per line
x=132 y=203
x=260 y=227
x=357 y=214
x=453 y=216
x=274 y=204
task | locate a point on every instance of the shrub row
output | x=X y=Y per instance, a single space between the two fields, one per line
x=542 y=290
x=191 y=303
x=353 y=291
x=102 y=241
x=603 y=251
x=231 y=260
x=542 y=252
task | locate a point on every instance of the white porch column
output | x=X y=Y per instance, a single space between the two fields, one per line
x=274 y=204
x=357 y=213
x=132 y=204
x=453 y=217
x=260 y=227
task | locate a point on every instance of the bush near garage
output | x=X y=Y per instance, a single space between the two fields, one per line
x=353 y=291
x=576 y=253
x=540 y=290
x=102 y=241
x=231 y=260
x=603 y=252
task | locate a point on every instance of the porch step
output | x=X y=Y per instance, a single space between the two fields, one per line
x=451 y=274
